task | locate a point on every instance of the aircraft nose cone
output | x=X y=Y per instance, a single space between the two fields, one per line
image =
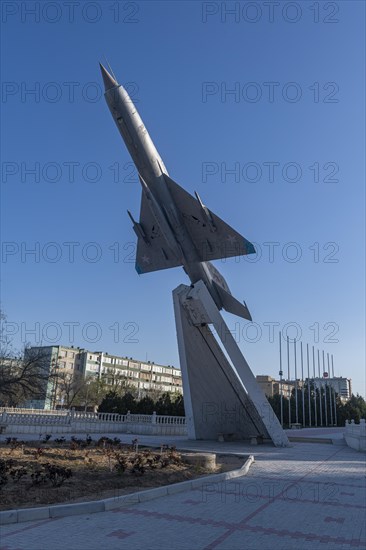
x=109 y=81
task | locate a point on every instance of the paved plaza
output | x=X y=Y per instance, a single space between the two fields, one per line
x=308 y=496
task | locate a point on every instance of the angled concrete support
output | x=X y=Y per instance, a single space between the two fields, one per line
x=221 y=395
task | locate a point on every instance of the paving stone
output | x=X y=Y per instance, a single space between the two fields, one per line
x=308 y=496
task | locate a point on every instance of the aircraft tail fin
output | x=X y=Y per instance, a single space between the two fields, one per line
x=231 y=304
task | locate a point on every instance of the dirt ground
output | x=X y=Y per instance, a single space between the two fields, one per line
x=93 y=471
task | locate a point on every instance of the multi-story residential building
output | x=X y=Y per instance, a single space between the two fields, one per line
x=62 y=364
x=142 y=375
x=68 y=364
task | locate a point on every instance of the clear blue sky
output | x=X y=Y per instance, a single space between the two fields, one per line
x=297 y=114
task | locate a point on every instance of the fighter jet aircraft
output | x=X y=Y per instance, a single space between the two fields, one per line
x=175 y=229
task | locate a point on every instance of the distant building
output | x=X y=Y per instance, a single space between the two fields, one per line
x=114 y=370
x=342 y=386
x=143 y=375
x=270 y=386
x=47 y=356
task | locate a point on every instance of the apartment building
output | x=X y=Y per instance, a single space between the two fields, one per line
x=63 y=364
x=72 y=363
x=142 y=375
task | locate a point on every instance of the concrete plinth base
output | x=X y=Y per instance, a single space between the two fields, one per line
x=221 y=395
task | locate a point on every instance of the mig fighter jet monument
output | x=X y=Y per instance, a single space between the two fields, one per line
x=221 y=396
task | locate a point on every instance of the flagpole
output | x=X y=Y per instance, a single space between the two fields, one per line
x=320 y=392
x=288 y=382
x=281 y=373
x=335 y=399
x=309 y=396
x=296 y=399
x=330 y=395
x=302 y=386
x=315 y=408
x=325 y=391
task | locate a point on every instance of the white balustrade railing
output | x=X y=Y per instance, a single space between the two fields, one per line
x=176 y=420
x=10 y=416
x=32 y=419
x=355 y=434
x=356 y=429
x=34 y=411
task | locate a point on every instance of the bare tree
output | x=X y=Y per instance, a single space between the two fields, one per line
x=23 y=377
x=92 y=392
x=67 y=387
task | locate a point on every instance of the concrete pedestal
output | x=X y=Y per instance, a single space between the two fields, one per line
x=221 y=395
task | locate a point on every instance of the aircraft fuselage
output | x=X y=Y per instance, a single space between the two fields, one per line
x=151 y=168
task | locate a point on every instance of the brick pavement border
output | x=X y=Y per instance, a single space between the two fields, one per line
x=63 y=510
